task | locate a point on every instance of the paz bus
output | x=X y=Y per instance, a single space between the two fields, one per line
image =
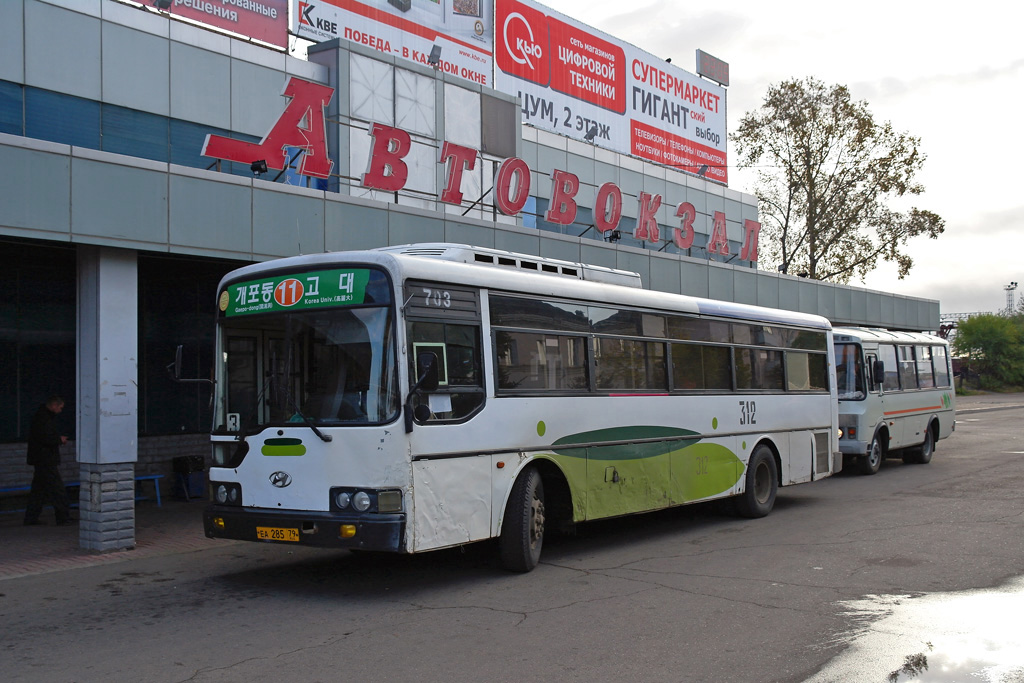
x=412 y=398
x=896 y=395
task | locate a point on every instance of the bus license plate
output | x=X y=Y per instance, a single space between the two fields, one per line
x=269 y=533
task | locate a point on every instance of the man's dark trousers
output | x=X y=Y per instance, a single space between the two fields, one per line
x=47 y=486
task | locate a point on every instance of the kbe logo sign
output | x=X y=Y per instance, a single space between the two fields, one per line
x=523 y=48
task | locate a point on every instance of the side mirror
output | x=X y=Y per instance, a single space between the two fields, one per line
x=878 y=372
x=429 y=378
x=174 y=369
x=427 y=371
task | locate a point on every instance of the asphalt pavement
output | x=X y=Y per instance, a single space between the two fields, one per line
x=176 y=526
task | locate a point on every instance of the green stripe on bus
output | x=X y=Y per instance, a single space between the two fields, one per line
x=283 y=450
x=623 y=478
x=283 y=442
x=704 y=470
x=625 y=451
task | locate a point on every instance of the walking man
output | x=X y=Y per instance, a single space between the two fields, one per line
x=44 y=442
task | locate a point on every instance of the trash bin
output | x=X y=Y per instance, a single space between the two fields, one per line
x=191 y=476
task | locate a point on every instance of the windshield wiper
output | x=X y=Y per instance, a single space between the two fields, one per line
x=309 y=423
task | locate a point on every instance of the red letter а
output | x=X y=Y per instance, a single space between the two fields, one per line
x=305 y=106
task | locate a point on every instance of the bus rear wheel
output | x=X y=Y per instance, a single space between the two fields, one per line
x=522 y=532
x=762 y=481
x=922 y=455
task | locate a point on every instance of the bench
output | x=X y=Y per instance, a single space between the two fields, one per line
x=155 y=478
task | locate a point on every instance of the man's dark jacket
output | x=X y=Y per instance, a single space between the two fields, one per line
x=43 y=438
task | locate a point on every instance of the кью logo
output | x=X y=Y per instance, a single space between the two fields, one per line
x=524 y=48
x=524 y=42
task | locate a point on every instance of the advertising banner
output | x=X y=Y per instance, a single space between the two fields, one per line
x=265 y=20
x=409 y=29
x=575 y=80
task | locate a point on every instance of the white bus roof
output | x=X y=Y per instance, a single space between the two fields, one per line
x=511 y=272
x=878 y=335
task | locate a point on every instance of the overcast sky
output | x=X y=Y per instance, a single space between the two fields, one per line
x=951 y=74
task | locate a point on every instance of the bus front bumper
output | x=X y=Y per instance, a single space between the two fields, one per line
x=853 y=447
x=377 y=532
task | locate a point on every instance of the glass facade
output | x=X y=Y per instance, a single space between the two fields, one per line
x=37 y=337
x=70 y=120
x=37 y=334
x=177 y=305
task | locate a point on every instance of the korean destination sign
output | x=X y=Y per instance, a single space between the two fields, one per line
x=290 y=292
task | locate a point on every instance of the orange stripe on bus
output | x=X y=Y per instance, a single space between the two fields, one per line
x=911 y=410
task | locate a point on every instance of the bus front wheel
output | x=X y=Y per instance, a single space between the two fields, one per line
x=762 y=483
x=522 y=532
x=870 y=463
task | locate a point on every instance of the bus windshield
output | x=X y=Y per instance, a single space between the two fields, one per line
x=849 y=372
x=320 y=365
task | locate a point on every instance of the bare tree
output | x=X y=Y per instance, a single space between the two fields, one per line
x=826 y=172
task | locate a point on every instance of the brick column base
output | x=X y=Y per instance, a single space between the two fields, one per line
x=107 y=507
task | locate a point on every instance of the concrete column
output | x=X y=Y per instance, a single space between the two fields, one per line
x=107 y=439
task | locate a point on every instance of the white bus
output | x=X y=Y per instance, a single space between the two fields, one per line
x=896 y=395
x=412 y=398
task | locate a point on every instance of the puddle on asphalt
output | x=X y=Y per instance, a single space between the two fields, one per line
x=969 y=636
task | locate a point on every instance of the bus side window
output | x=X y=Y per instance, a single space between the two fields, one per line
x=458 y=348
x=873 y=380
x=925 y=373
x=887 y=354
x=908 y=368
x=941 y=366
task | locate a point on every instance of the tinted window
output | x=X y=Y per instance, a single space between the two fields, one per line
x=630 y=365
x=134 y=133
x=62 y=118
x=700 y=367
x=807 y=339
x=175 y=302
x=626 y=322
x=807 y=371
x=37 y=335
x=507 y=311
x=11 y=108
x=760 y=335
x=759 y=369
x=699 y=329
x=540 y=362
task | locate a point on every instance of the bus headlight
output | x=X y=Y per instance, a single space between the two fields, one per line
x=361 y=501
x=847 y=426
x=349 y=499
x=226 y=494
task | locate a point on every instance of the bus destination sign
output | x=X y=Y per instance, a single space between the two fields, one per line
x=299 y=291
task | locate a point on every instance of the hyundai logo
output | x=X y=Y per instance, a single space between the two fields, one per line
x=280 y=479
